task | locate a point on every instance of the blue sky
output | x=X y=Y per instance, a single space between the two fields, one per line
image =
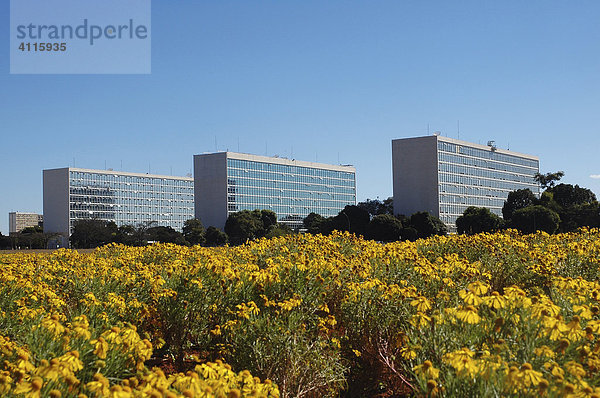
x=329 y=81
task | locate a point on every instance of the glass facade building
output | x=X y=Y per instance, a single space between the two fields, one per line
x=72 y=194
x=445 y=176
x=229 y=182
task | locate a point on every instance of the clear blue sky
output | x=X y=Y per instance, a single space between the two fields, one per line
x=329 y=81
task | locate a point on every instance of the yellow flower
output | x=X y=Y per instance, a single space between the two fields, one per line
x=478 y=287
x=470 y=297
x=100 y=347
x=426 y=371
x=495 y=300
x=30 y=389
x=468 y=314
x=528 y=376
x=422 y=303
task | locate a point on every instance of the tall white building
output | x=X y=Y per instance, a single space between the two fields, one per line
x=227 y=182
x=72 y=194
x=444 y=176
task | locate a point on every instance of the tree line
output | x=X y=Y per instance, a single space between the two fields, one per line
x=28 y=238
x=560 y=208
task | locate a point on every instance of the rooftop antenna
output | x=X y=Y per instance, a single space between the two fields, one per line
x=427 y=128
x=215 y=143
x=238 y=143
x=339 y=157
x=105 y=164
x=121 y=164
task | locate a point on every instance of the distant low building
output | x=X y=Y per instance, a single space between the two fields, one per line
x=72 y=194
x=18 y=221
x=444 y=176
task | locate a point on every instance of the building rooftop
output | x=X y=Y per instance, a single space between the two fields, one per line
x=123 y=173
x=283 y=160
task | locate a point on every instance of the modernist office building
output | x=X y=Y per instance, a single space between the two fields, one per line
x=18 y=221
x=72 y=194
x=227 y=182
x=444 y=176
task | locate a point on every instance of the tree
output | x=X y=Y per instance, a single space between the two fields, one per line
x=91 y=233
x=313 y=222
x=475 y=220
x=193 y=231
x=427 y=225
x=519 y=199
x=165 y=235
x=567 y=195
x=4 y=242
x=535 y=218
x=548 y=180
x=353 y=219
x=247 y=225
x=384 y=228
x=377 y=207
x=277 y=230
x=32 y=230
x=215 y=237
x=127 y=235
x=268 y=218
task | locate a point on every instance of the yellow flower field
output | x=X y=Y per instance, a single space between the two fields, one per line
x=306 y=316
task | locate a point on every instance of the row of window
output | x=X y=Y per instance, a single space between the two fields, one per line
x=290 y=177
x=286 y=193
x=484 y=173
x=287 y=213
x=78 y=176
x=472 y=200
x=449 y=179
x=487 y=154
x=485 y=164
x=284 y=168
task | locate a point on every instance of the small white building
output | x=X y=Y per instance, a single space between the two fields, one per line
x=18 y=221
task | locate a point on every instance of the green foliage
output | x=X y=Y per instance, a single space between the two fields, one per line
x=248 y=225
x=313 y=223
x=165 y=235
x=92 y=233
x=193 y=231
x=215 y=237
x=535 y=218
x=567 y=195
x=353 y=219
x=476 y=220
x=384 y=228
x=548 y=180
x=516 y=200
x=278 y=230
x=376 y=207
x=427 y=225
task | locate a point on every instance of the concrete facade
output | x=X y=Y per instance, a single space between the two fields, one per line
x=18 y=221
x=444 y=176
x=227 y=182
